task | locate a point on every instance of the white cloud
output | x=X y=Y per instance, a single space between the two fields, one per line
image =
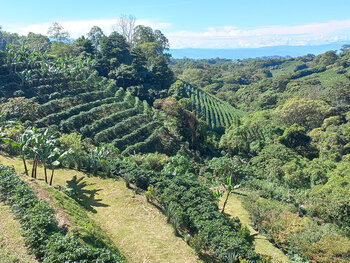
x=213 y=37
x=233 y=37
x=77 y=28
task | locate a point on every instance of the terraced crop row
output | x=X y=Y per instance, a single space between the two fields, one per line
x=84 y=103
x=55 y=105
x=140 y=134
x=216 y=112
x=56 y=118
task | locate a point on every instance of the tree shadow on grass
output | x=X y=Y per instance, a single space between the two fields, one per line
x=75 y=188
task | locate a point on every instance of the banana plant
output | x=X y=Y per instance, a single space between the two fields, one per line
x=95 y=157
x=23 y=144
x=229 y=188
x=43 y=145
x=54 y=160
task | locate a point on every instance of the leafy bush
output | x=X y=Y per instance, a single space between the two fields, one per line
x=331 y=201
x=298 y=235
x=191 y=207
x=308 y=113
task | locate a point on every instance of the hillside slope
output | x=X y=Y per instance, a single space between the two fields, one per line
x=67 y=95
x=216 y=112
x=138 y=229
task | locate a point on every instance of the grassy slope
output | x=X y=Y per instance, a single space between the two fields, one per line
x=329 y=77
x=137 y=228
x=262 y=245
x=286 y=68
x=12 y=246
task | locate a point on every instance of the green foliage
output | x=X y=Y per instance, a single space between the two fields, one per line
x=190 y=206
x=295 y=137
x=307 y=113
x=325 y=59
x=250 y=135
x=20 y=107
x=331 y=201
x=71 y=141
x=298 y=235
x=44 y=238
x=332 y=139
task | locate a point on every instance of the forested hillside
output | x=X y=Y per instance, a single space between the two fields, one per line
x=294 y=141
x=185 y=134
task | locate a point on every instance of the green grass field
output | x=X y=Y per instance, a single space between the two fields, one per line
x=12 y=246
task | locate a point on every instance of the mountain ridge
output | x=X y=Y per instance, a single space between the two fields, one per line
x=243 y=53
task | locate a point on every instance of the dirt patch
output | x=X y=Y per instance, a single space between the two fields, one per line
x=61 y=216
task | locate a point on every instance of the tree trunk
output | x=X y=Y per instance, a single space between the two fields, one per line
x=25 y=165
x=45 y=173
x=36 y=167
x=33 y=169
x=223 y=207
x=51 y=179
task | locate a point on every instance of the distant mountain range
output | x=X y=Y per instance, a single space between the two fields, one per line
x=241 y=53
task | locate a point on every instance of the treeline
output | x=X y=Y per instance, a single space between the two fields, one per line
x=137 y=62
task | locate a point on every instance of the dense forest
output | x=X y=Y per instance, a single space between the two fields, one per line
x=183 y=133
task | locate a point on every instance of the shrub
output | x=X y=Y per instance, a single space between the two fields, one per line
x=191 y=207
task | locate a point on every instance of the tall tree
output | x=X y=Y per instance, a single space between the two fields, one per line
x=96 y=35
x=2 y=41
x=126 y=27
x=83 y=44
x=57 y=32
x=37 y=42
x=145 y=34
x=114 y=52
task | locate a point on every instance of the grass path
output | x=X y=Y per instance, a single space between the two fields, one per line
x=12 y=246
x=235 y=208
x=138 y=229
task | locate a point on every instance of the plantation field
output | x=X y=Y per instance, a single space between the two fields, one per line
x=286 y=68
x=12 y=246
x=137 y=228
x=75 y=99
x=216 y=112
x=330 y=77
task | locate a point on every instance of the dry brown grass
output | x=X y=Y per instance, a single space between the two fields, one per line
x=12 y=246
x=262 y=245
x=136 y=227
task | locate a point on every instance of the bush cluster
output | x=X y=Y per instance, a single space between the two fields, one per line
x=190 y=207
x=298 y=235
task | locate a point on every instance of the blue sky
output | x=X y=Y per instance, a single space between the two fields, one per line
x=193 y=23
